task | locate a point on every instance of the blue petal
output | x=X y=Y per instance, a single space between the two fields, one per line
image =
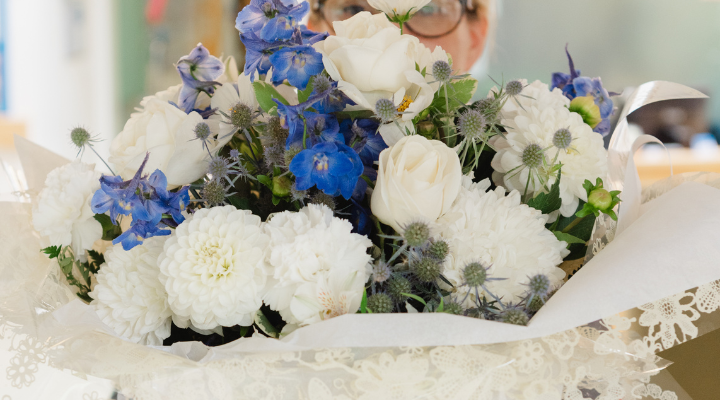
x=280 y=27
x=559 y=80
x=339 y=164
x=302 y=163
x=325 y=181
x=583 y=86
x=101 y=202
x=303 y=182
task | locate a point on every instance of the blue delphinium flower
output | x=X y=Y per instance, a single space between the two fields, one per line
x=327 y=97
x=362 y=135
x=271 y=20
x=146 y=199
x=198 y=71
x=317 y=128
x=296 y=64
x=333 y=167
x=284 y=23
x=573 y=86
x=257 y=54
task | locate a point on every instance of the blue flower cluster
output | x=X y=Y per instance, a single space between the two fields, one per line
x=573 y=85
x=146 y=199
x=198 y=71
x=335 y=154
x=274 y=38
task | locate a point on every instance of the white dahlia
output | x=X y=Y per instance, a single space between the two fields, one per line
x=501 y=233
x=317 y=265
x=129 y=297
x=213 y=268
x=62 y=210
x=585 y=158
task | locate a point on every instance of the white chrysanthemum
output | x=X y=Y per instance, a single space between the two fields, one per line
x=536 y=94
x=501 y=233
x=585 y=159
x=129 y=297
x=318 y=266
x=213 y=268
x=62 y=211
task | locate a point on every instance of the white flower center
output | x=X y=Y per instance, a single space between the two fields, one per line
x=213 y=259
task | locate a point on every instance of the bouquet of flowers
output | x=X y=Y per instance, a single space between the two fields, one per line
x=337 y=174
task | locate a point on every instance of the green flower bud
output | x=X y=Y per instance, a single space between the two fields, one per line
x=600 y=199
x=453 y=308
x=281 y=186
x=588 y=110
x=416 y=234
x=514 y=316
x=397 y=286
x=380 y=303
x=475 y=274
x=427 y=269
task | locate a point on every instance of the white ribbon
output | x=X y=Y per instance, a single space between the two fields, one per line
x=622 y=172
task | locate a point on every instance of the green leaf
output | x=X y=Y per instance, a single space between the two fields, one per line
x=265 y=93
x=265 y=180
x=265 y=325
x=548 y=202
x=276 y=200
x=412 y=296
x=583 y=230
x=303 y=95
x=241 y=203
x=363 y=303
x=441 y=307
x=567 y=238
x=110 y=230
x=354 y=114
x=52 y=251
x=459 y=94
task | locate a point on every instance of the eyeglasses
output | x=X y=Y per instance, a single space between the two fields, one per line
x=438 y=18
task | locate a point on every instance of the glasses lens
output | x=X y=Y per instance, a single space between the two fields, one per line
x=437 y=18
x=339 y=10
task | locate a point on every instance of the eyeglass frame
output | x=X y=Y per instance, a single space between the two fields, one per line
x=465 y=8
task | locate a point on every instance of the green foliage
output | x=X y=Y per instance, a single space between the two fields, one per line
x=548 y=202
x=265 y=93
x=110 y=230
x=363 y=302
x=458 y=94
x=52 y=251
x=262 y=322
x=599 y=200
x=568 y=238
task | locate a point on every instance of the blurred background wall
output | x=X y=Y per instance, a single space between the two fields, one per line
x=89 y=62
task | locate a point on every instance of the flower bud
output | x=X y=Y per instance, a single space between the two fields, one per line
x=475 y=274
x=441 y=71
x=586 y=107
x=380 y=303
x=514 y=316
x=397 y=286
x=438 y=249
x=80 y=137
x=281 y=185
x=427 y=269
x=417 y=234
x=453 y=308
x=600 y=199
x=513 y=88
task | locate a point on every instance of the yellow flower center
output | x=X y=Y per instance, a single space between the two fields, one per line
x=404 y=104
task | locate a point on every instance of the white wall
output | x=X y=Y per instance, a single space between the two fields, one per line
x=60 y=70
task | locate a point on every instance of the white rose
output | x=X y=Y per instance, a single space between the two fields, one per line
x=168 y=134
x=62 y=210
x=418 y=179
x=398 y=8
x=371 y=60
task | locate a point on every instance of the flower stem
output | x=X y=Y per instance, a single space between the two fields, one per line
x=573 y=224
x=101 y=159
x=401 y=27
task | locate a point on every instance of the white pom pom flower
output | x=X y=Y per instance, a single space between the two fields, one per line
x=585 y=158
x=62 y=210
x=501 y=233
x=536 y=94
x=317 y=265
x=129 y=297
x=213 y=268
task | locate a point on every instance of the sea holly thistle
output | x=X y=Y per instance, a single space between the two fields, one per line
x=599 y=200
